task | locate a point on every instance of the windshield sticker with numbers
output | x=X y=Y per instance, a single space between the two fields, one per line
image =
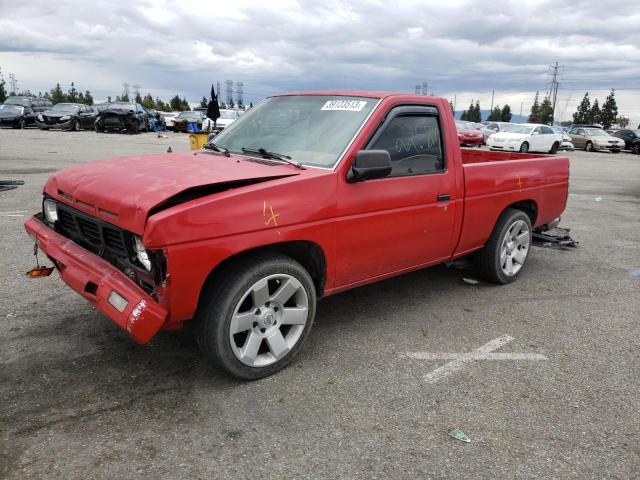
x=344 y=105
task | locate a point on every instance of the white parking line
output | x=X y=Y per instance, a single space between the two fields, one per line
x=460 y=360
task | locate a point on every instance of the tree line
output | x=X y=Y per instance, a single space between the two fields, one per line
x=474 y=114
x=607 y=115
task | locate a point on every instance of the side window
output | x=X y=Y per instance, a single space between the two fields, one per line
x=581 y=132
x=538 y=130
x=547 y=131
x=413 y=142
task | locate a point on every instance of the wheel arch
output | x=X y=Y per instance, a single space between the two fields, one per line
x=530 y=207
x=307 y=253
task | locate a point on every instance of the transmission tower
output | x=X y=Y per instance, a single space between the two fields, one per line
x=423 y=88
x=13 y=82
x=136 y=89
x=229 y=84
x=125 y=90
x=417 y=89
x=240 y=92
x=218 y=90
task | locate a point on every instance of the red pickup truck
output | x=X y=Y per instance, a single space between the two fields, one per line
x=306 y=195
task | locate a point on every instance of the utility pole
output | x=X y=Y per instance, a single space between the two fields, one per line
x=125 y=89
x=493 y=92
x=454 y=103
x=521 y=103
x=553 y=91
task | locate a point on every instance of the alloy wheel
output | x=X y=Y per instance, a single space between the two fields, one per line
x=269 y=320
x=514 y=248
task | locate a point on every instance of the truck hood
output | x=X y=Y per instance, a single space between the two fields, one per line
x=125 y=191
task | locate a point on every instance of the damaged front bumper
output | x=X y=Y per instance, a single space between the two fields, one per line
x=106 y=287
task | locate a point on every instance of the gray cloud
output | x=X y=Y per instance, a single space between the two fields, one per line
x=465 y=46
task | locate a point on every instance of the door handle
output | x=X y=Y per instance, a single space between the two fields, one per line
x=444 y=197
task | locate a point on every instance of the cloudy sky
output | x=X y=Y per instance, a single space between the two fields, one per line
x=462 y=48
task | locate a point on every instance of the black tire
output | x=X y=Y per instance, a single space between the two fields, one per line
x=219 y=299
x=588 y=146
x=487 y=260
x=615 y=151
x=524 y=148
x=635 y=149
x=98 y=129
x=134 y=128
x=554 y=148
x=20 y=124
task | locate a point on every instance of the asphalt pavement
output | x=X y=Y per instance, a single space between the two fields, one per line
x=553 y=393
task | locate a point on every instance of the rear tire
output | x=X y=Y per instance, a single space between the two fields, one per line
x=554 y=148
x=254 y=318
x=504 y=255
x=20 y=124
x=635 y=149
x=588 y=146
x=524 y=148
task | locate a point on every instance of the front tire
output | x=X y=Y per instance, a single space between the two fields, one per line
x=635 y=149
x=502 y=258
x=134 y=128
x=20 y=124
x=588 y=146
x=524 y=148
x=254 y=318
x=554 y=148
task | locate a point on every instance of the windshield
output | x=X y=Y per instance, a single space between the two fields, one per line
x=190 y=115
x=465 y=126
x=18 y=101
x=64 y=107
x=228 y=114
x=522 y=129
x=11 y=109
x=596 y=132
x=637 y=132
x=311 y=129
x=120 y=106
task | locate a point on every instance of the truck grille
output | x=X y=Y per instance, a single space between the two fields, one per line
x=93 y=234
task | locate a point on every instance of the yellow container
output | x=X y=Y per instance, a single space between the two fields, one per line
x=197 y=140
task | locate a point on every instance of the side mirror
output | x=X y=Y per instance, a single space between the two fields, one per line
x=370 y=164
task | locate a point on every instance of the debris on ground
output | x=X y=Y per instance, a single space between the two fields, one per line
x=554 y=238
x=10 y=184
x=459 y=435
x=635 y=272
x=162 y=135
x=169 y=150
x=598 y=199
x=470 y=281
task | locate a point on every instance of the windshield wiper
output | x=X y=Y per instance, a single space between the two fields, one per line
x=216 y=148
x=273 y=155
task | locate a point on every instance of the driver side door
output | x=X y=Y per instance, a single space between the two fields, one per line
x=406 y=219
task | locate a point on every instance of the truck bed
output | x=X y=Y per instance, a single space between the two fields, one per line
x=495 y=180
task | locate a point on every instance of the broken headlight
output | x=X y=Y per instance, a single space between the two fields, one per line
x=50 y=211
x=141 y=253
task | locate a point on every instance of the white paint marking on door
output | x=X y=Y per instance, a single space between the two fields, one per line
x=460 y=360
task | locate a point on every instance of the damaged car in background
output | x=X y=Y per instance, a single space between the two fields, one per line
x=122 y=117
x=67 y=116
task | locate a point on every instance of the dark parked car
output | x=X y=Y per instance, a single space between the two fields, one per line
x=36 y=104
x=67 y=116
x=122 y=117
x=631 y=139
x=15 y=116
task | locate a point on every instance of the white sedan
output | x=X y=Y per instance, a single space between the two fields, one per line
x=526 y=138
x=227 y=117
